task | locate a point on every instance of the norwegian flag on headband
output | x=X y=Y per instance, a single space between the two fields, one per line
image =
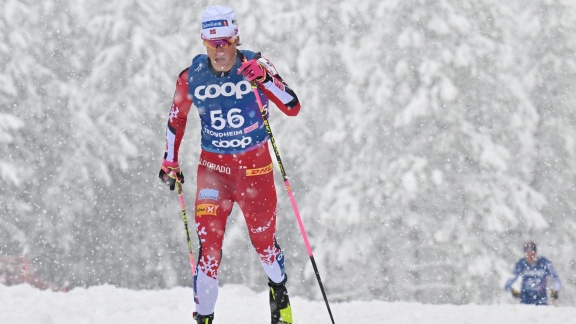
x=218 y=22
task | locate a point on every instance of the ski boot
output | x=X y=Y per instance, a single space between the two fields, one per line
x=279 y=303
x=203 y=319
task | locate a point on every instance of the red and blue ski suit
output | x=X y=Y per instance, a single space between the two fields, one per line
x=235 y=164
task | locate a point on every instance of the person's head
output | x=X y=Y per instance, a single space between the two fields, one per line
x=530 y=250
x=220 y=35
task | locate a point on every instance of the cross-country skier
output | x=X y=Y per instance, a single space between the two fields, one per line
x=534 y=271
x=235 y=163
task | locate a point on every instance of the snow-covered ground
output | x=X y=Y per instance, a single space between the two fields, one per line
x=237 y=304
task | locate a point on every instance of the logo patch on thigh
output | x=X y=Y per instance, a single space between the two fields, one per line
x=206 y=210
x=259 y=171
x=208 y=194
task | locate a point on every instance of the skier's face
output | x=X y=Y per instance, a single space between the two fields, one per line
x=530 y=253
x=531 y=256
x=222 y=57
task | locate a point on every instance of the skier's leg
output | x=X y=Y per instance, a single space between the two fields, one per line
x=213 y=205
x=258 y=204
x=257 y=200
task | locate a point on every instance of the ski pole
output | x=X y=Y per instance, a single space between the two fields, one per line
x=185 y=219
x=292 y=200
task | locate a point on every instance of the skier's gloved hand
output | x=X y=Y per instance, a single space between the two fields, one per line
x=170 y=173
x=515 y=293
x=554 y=294
x=253 y=71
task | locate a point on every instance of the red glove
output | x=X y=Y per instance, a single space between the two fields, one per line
x=170 y=173
x=252 y=71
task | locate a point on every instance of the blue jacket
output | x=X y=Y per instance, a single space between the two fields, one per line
x=533 y=290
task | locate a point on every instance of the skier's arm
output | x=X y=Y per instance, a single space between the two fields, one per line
x=510 y=282
x=177 y=118
x=515 y=275
x=556 y=285
x=277 y=90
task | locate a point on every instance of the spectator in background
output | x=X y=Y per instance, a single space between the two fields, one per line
x=535 y=270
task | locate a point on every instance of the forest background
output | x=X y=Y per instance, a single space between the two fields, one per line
x=435 y=138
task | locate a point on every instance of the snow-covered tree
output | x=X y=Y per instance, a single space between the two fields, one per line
x=435 y=136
